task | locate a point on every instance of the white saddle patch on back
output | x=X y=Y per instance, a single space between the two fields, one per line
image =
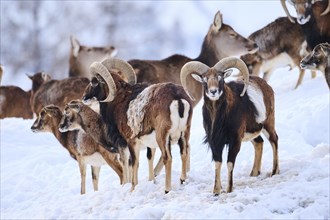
x=136 y=110
x=257 y=98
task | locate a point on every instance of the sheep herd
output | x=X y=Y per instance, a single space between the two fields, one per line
x=108 y=109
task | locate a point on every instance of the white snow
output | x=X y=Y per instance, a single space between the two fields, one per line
x=39 y=180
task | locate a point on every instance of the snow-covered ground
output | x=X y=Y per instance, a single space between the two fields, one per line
x=40 y=180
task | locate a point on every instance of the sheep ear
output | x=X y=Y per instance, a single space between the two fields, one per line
x=75 y=107
x=325 y=49
x=49 y=109
x=217 y=23
x=197 y=77
x=30 y=77
x=227 y=73
x=75 y=46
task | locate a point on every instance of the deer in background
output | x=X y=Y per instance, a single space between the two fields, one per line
x=281 y=43
x=81 y=57
x=15 y=102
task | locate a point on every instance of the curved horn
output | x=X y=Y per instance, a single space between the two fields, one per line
x=99 y=69
x=326 y=11
x=123 y=66
x=192 y=67
x=287 y=11
x=233 y=62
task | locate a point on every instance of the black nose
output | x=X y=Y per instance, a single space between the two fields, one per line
x=213 y=91
x=302 y=64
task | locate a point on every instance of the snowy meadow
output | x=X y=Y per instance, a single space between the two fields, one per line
x=39 y=180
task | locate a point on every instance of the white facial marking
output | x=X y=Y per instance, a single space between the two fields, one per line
x=93 y=104
x=257 y=98
x=215 y=96
x=302 y=20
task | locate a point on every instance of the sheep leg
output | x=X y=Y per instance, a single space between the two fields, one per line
x=113 y=162
x=232 y=154
x=258 y=147
x=327 y=76
x=313 y=72
x=188 y=158
x=82 y=168
x=168 y=167
x=159 y=166
x=273 y=140
x=124 y=159
x=151 y=155
x=165 y=147
x=267 y=75
x=183 y=143
x=300 y=78
x=95 y=176
x=217 y=183
x=187 y=147
x=135 y=166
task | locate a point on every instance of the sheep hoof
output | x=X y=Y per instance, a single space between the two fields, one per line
x=255 y=174
x=216 y=194
x=182 y=181
x=166 y=191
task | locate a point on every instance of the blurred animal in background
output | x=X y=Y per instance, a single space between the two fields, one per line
x=314 y=18
x=319 y=59
x=220 y=41
x=234 y=112
x=81 y=57
x=58 y=92
x=15 y=102
x=281 y=43
x=80 y=146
